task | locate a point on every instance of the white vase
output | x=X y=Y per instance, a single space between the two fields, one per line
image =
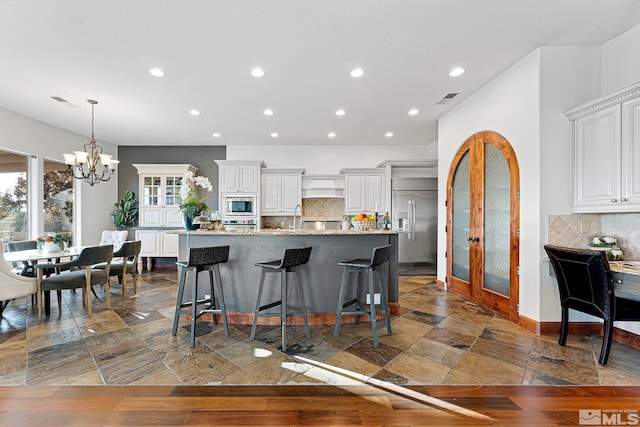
x=49 y=247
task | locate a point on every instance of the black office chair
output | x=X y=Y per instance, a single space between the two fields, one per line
x=586 y=284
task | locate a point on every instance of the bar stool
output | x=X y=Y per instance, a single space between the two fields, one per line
x=379 y=257
x=201 y=259
x=291 y=258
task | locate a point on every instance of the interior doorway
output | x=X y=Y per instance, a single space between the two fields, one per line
x=483 y=224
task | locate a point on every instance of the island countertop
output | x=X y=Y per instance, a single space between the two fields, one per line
x=321 y=275
x=284 y=232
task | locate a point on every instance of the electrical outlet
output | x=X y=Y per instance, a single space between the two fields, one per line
x=584 y=226
x=376 y=299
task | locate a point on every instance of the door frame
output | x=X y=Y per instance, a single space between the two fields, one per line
x=474 y=289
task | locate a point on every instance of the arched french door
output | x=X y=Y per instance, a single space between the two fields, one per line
x=483 y=224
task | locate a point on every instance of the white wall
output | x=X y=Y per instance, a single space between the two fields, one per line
x=27 y=136
x=568 y=76
x=329 y=159
x=621 y=61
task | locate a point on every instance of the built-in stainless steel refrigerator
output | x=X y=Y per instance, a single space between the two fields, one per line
x=414 y=209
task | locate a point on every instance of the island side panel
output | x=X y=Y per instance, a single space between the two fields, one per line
x=321 y=276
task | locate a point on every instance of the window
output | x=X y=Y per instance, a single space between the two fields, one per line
x=58 y=198
x=14 y=215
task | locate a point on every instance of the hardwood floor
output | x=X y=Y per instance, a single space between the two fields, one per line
x=319 y=405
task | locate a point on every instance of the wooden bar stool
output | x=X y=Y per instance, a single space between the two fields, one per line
x=201 y=259
x=379 y=257
x=291 y=258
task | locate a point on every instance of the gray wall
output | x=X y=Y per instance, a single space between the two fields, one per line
x=203 y=157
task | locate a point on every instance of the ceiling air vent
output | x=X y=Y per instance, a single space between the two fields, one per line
x=64 y=102
x=448 y=97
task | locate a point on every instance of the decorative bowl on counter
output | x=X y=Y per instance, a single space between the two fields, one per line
x=362 y=225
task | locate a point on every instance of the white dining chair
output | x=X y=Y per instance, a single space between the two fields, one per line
x=13 y=285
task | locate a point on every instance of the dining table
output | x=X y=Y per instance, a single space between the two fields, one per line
x=34 y=256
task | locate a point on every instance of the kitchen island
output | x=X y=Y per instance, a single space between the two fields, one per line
x=321 y=276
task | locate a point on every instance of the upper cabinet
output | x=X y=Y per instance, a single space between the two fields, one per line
x=239 y=176
x=607 y=153
x=159 y=193
x=364 y=189
x=281 y=191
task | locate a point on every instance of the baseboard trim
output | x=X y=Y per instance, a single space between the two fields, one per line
x=440 y=284
x=580 y=328
x=237 y=318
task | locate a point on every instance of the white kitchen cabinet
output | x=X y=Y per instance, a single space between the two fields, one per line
x=363 y=190
x=607 y=153
x=281 y=191
x=239 y=176
x=155 y=243
x=159 y=193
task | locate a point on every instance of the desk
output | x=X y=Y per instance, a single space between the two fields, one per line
x=626 y=276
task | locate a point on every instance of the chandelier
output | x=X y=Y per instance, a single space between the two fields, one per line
x=88 y=161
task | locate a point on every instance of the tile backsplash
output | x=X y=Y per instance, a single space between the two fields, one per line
x=312 y=210
x=575 y=230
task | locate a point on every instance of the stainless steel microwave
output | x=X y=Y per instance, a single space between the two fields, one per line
x=239 y=205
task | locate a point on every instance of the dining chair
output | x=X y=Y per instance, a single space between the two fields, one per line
x=13 y=285
x=83 y=278
x=585 y=283
x=26 y=269
x=128 y=263
x=115 y=238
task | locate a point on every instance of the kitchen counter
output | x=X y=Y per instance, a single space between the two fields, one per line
x=321 y=276
x=286 y=232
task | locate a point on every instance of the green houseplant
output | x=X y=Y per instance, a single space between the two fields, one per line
x=125 y=211
x=192 y=205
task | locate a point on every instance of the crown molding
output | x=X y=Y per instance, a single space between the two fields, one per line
x=594 y=105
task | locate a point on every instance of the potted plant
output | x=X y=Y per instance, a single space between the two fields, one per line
x=192 y=205
x=125 y=211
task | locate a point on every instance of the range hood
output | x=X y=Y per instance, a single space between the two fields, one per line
x=322 y=186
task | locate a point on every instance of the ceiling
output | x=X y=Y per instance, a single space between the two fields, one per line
x=102 y=50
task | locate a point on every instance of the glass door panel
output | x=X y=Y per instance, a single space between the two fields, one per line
x=172 y=190
x=151 y=190
x=497 y=217
x=461 y=218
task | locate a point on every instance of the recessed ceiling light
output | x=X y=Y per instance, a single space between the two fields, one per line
x=268 y=112
x=413 y=112
x=157 y=72
x=274 y=135
x=340 y=113
x=257 y=72
x=331 y=134
x=456 y=72
x=216 y=135
x=357 y=72
x=194 y=112
x=388 y=134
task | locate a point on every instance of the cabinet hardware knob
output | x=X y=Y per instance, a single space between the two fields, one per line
x=614 y=200
x=624 y=199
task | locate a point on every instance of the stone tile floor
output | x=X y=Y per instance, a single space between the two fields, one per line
x=438 y=338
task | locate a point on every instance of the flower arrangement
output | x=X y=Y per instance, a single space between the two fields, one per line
x=58 y=238
x=193 y=205
x=604 y=242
